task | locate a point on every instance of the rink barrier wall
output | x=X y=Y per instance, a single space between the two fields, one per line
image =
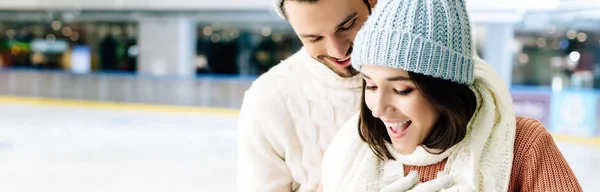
x=202 y=91
x=117 y=105
x=570 y=115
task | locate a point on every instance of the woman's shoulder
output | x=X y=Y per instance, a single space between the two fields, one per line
x=538 y=164
x=531 y=139
x=529 y=131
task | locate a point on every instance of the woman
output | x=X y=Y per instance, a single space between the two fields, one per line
x=434 y=117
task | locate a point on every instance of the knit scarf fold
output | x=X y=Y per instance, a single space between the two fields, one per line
x=482 y=161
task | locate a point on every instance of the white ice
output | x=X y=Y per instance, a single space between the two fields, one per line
x=68 y=149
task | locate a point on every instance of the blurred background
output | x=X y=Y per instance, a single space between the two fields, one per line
x=132 y=95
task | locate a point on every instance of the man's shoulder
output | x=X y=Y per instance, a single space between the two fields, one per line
x=281 y=79
x=288 y=67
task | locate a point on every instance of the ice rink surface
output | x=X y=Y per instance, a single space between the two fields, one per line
x=69 y=149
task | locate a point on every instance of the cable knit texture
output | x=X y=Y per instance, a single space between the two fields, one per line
x=480 y=162
x=430 y=37
x=538 y=164
x=287 y=120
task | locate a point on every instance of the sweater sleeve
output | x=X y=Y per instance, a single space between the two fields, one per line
x=261 y=165
x=544 y=167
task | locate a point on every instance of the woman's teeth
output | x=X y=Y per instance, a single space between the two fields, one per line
x=397 y=125
x=343 y=60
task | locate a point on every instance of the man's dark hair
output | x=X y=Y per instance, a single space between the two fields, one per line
x=454 y=102
x=314 y=1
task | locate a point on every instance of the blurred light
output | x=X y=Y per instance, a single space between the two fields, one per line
x=68 y=16
x=201 y=61
x=555 y=45
x=276 y=37
x=67 y=31
x=37 y=58
x=523 y=58
x=234 y=33
x=133 y=51
x=130 y=30
x=217 y=26
x=556 y=62
x=564 y=44
x=574 y=56
x=541 y=42
x=15 y=50
x=102 y=30
x=50 y=38
x=74 y=36
x=517 y=46
x=37 y=30
x=262 y=56
x=40 y=46
x=571 y=34
x=116 y=30
x=56 y=25
x=557 y=84
x=215 y=38
x=207 y=31
x=266 y=31
x=551 y=29
x=11 y=33
x=582 y=37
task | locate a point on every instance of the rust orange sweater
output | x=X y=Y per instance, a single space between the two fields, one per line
x=538 y=165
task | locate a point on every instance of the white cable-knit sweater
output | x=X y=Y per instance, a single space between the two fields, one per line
x=287 y=120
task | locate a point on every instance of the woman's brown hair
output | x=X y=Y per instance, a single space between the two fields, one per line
x=454 y=102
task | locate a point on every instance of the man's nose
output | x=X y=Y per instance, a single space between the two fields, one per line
x=338 y=48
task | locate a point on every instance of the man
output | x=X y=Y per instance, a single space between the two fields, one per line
x=291 y=113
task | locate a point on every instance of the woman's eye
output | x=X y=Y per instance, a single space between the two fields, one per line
x=403 y=92
x=371 y=87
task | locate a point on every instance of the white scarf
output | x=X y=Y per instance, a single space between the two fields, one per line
x=482 y=161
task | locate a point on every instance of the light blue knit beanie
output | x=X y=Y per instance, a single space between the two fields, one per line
x=429 y=37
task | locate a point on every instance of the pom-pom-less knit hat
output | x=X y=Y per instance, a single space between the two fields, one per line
x=429 y=37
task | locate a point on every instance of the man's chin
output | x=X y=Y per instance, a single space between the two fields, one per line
x=345 y=72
